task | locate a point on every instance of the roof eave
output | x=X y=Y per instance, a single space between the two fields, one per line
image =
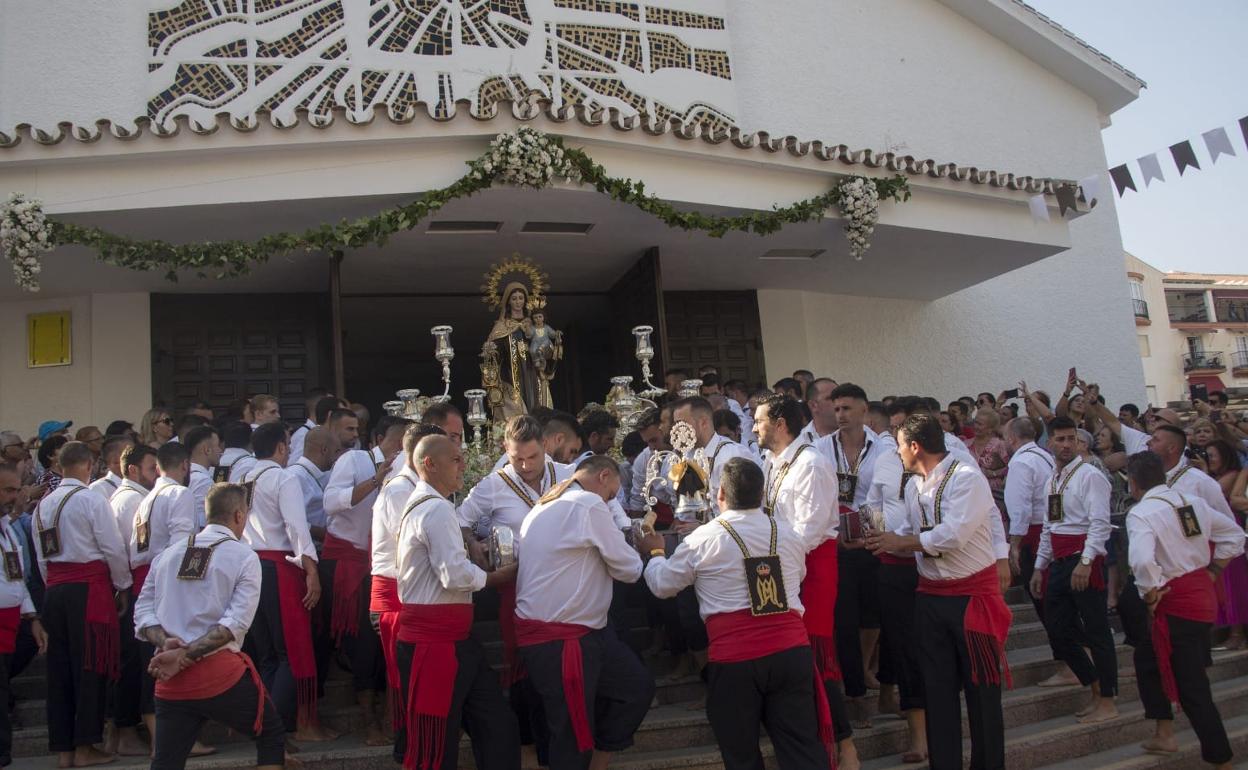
x=1056 y=48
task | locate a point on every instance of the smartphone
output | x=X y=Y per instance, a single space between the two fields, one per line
x=1199 y=391
x=1071 y=375
x=1011 y=393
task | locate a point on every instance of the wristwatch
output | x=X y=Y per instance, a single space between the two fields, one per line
x=1085 y=561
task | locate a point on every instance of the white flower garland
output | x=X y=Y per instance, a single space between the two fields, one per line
x=525 y=157
x=24 y=235
x=859 y=203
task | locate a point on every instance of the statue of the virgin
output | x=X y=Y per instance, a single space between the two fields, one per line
x=514 y=380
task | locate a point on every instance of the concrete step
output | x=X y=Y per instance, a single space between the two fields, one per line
x=1059 y=740
x=1132 y=757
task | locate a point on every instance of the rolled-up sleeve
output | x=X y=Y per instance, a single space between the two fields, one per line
x=440 y=531
x=1142 y=553
x=668 y=576
x=295 y=519
x=623 y=563
x=243 y=602
x=341 y=485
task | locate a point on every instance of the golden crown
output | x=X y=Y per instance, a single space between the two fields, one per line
x=516 y=268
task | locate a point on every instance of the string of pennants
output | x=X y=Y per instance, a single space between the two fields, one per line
x=1217 y=142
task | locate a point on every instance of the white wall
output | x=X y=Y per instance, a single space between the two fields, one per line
x=918 y=78
x=111 y=374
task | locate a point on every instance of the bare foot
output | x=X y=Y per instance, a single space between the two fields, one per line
x=528 y=757
x=1104 y=711
x=87 y=756
x=200 y=750
x=64 y=759
x=858 y=715
x=131 y=746
x=888 y=703
x=1089 y=707
x=1062 y=678
x=315 y=733
x=373 y=736
x=872 y=682
x=1156 y=745
x=914 y=757
x=847 y=755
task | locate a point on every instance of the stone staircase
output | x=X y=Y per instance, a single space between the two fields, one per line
x=1041 y=731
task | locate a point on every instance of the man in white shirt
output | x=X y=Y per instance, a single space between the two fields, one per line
x=84 y=564
x=570 y=551
x=738 y=395
x=321 y=450
x=852 y=449
x=436 y=582
x=1070 y=572
x=1174 y=570
x=196 y=608
x=15 y=601
x=110 y=454
x=1169 y=443
x=801 y=491
x=236 y=459
x=822 y=415
x=265 y=409
x=290 y=586
x=131 y=699
x=747 y=568
x=310 y=403
x=953 y=528
x=654 y=426
x=346 y=584
x=204 y=445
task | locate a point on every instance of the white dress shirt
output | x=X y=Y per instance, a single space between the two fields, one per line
x=1160 y=552
x=13 y=593
x=570 y=551
x=1085 y=510
x=811 y=435
x=312 y=484
x=497 y=502
x=804 y=495
x=1134 y=441
x=87 y=530
x=433 y=564
x=170 y=517
x=387 y=508
x=969 y=536
x=125 y=503
x=747 y=420
x=710 y=560
x=1026 y=487
x=887 y=493
x=1194 y=482
x=956 y=447
x=200 y=482
x=227 y=596
x=236 y=462
x=297 y=440
x=719 y=450
x=352 y=523
x=278 y=521
x=832 y=449
x=106 y=485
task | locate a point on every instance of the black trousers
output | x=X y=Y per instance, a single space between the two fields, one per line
x=857 y=607
x=76 y=697
x=125 y=693
x=267 y=648
x=618 y=691
x=776 y=691
x=178 y=723
x=1077 y=618
x=6 y=720
x=897 y=586
x=691 y=620
x=477 y=705
x=527 y=707
x=1027 y=568
x=24 y=653
x=946 y=667
x=362 y=651
x=1189 y=657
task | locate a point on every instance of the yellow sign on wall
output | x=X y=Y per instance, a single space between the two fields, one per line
x=47 y=339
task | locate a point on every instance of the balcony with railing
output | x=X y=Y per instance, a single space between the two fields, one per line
x=1141 y=312
x=1204 y=363
x=1239 y=363
x=1231 y=311
x=1185 y=309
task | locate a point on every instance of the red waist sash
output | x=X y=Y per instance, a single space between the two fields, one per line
x=1190 y=597
x=385 y=602
x=296 y=630
x=897 y=561
x=986 y=622
x=433 y=630
x=10 y=619
x=1066 y=546
x=819 y=600
x=139 y=574
x=1032 y=538
x=533 y=632
x=353 y=565
x=103 y=628
x=739 y=636
x=210 y=677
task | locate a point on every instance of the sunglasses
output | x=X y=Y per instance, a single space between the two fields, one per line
x=165 y=421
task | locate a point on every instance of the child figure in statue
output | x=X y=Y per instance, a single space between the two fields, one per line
x=544 y=342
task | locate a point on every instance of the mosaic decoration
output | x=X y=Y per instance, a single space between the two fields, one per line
x=652 y=58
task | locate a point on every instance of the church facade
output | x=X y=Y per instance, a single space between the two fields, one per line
x=231 y=119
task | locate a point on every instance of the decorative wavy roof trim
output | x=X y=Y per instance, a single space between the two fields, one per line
x=534 y=107
x=1081 y=42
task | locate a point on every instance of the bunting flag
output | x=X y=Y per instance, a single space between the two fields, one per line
x=1039 y=208
x=1184 y=156
x=1150 y=168
x=1091 y=187
x=1122 y=179
x=1243 y=127
x=1218 y=143
x=1066 y=199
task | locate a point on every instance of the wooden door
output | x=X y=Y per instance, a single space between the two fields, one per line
x=715 y=328
x=636 y=299
x=219 y=348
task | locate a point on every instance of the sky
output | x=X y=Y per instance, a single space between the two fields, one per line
x=1194 y=57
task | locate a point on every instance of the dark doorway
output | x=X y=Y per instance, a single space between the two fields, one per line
x=222 y=347
x=715 y=328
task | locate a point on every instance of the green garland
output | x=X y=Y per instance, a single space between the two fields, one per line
x=530 y=153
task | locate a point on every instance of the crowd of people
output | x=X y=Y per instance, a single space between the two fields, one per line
x=815 y=547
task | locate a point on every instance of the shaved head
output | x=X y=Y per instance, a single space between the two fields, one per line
x=319 y=440
x=439 y=463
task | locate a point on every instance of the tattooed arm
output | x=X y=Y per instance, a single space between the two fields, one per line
x=216 y=638
x=171 y=661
